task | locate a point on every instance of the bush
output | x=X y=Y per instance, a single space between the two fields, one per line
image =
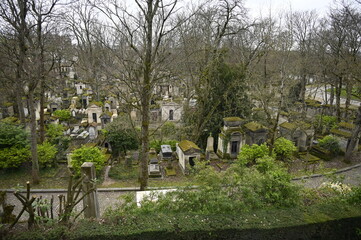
x=121 y=135
x=169 y=129
x=46 y=154
x=63 y=115
x=54 y=131
x=14 y=156
x=249 y=154
x=325 y=122
x=87 y=154
x=284 y=148
x=12 y=135
x=157 y=143
x=331 y=144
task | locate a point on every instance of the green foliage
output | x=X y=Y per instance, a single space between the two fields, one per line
x=330 y=143
x=249 y=154
x=221 y=93
x=123 y=172
x=12 y=135
x=169 y=129
x=237 y=189
x=325 y=122
x=13 y=157
x=284 y=148
x=14 y=148
x=54 y=131
x=11 y=120
x=63 y=115
x=87 y=154
x=46 y=154
x=354 y=196
x=157 y=143
x=121 y=135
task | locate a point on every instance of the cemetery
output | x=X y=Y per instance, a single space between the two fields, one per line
x=160 y=121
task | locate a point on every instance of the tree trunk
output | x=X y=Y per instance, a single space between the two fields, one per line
x=338 y=98
x=348 y=97
x=33 y=140
x=301 y=97
x=19 y=102
x=42 y=103
x=146 y=95
x=354 y=138
x=332 y=94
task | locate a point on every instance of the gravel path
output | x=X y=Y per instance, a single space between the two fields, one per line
x=351 y=177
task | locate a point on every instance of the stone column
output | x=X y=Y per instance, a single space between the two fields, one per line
x=91 y=200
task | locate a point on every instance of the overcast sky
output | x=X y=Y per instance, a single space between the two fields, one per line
x=257 y=7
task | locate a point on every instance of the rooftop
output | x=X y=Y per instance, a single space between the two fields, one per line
x=254 y=126
x=186 y=145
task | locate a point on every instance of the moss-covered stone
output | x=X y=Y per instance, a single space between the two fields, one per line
x=186 y=145
x=288 y=125
x=340 y=133
x=254 y=126
x=232 y=119
x=346 y=125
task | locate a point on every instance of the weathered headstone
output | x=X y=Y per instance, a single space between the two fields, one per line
x=90 y=201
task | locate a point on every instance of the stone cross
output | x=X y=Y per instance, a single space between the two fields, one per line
x=91 y=200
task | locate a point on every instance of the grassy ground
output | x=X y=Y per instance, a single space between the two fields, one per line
x=50 y=178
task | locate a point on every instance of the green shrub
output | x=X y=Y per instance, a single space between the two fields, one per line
x=87 y=154
x=249 y=154
x=14 y=156
x=325 y=122
x=331 y=144
x=169 y=130
x=157 y=143
x=284 y=148
x=54 y=131
x=46 y=154
x=12 y=135
x=63 y=115
x=354 y=196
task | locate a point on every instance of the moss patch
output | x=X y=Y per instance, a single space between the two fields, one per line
x=232 y=119
x=186 y=145
x=346 y=125
x=340 y=133
x=254 y=126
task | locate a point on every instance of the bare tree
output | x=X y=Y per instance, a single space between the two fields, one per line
x=141 y=53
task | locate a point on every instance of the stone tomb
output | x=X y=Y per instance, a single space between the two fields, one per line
x=299 y=132
x=94 y=113
x=188 y=152
x=344 y=134
x=231 y=138
x=255 y=133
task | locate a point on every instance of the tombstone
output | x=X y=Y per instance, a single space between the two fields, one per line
x=133 y=115
x=90 y=201
x=73 y=113
x=93 y=132
x=107 y=107
x=210 y=149
x=68 y=158
x=105 y=119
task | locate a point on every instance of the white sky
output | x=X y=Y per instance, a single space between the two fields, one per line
x=262 y=7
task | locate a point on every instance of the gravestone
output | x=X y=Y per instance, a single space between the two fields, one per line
x=90 y=201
